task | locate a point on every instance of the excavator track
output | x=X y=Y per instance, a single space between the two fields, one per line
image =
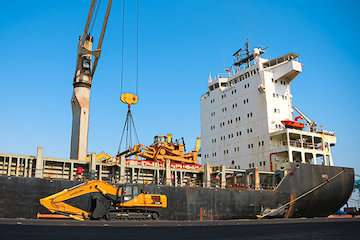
x=133 y=214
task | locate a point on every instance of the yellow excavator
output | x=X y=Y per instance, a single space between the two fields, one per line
x=164 y=148
x=101 y=200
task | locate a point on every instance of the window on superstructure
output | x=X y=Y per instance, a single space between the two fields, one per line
x=260 y=164
x=249 y=165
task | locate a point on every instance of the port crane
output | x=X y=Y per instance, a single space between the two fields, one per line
x=86 y=64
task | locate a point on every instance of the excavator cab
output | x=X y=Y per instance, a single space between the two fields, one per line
x=129 y=192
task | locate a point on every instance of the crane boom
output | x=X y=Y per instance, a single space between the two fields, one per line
x=86 y=64
x=311 y=123
x=102 y=34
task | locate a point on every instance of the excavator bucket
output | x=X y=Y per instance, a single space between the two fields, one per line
x=100 y=207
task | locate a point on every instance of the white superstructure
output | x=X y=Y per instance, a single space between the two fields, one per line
x=242 y=114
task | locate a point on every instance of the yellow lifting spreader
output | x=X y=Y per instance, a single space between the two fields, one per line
x=129 y=98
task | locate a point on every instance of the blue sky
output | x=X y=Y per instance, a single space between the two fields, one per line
x=181 y=42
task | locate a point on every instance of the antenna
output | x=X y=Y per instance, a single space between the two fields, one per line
x=247 y=53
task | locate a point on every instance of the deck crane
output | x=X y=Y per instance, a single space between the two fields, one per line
x=312 y=125
x=86 y=64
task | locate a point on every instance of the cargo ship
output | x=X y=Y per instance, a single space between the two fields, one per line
x=259 y=160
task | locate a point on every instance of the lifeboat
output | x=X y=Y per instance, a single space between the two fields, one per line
x=293 y=124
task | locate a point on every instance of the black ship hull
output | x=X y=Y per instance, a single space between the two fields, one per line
x=306 y=191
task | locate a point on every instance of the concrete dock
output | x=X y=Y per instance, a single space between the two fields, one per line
x=315 y=228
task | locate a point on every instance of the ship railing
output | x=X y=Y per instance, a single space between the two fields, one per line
x=319 y=146
x=295 y=143
x=241 y=187
x=308 y=145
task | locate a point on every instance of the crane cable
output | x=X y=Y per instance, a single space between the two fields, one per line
x=129 y=128
x=97 y=6
x=122 y=47
x=137 y=46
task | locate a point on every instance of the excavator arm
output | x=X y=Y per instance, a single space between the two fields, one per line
x=56 y=203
